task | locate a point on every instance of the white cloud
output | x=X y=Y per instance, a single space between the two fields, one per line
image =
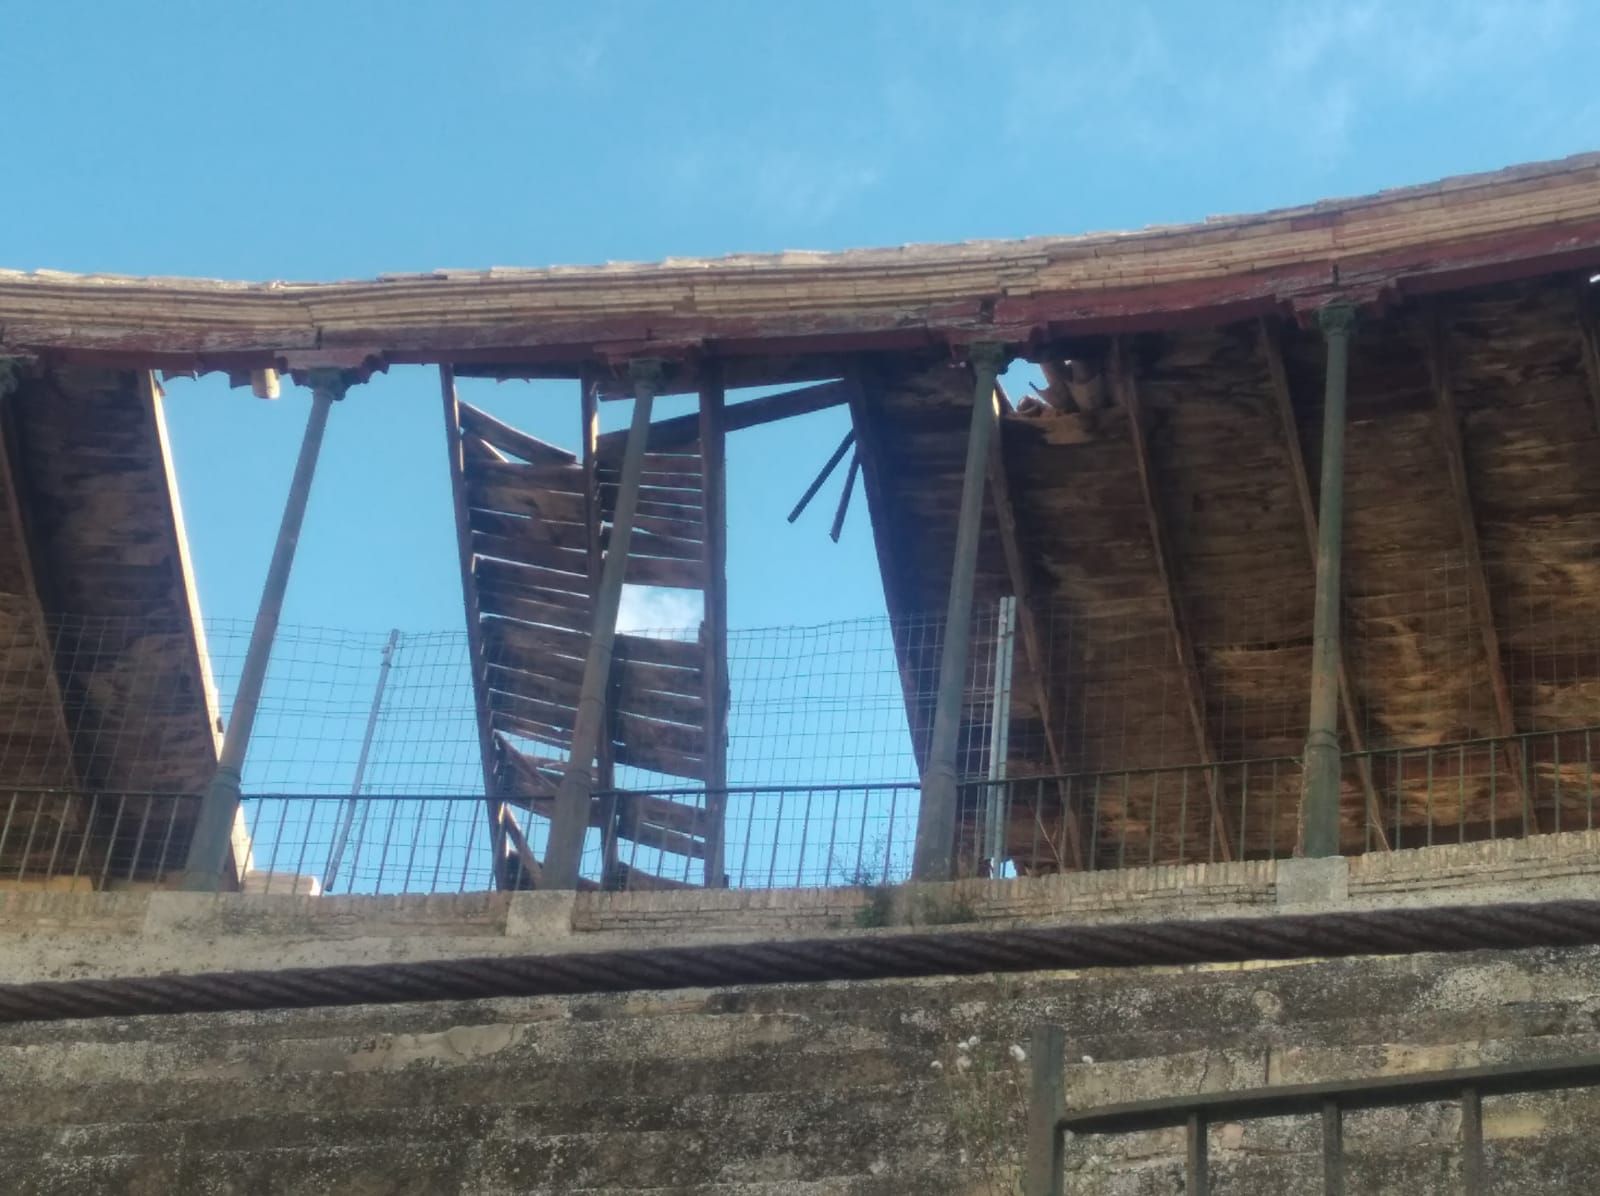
x=652 y=608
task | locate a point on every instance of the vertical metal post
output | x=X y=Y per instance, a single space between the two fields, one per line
x=213 y=832
x=1197 y=1169
x=1046 y=1106
x=1474 y=1177
x=997 y=808
x=1332 y=1149
x=570 y=818
x=936 y=821
x=347 y=816
x=1319 y=795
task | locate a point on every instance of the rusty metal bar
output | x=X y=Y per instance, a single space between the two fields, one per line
x=213 y=832
x=936 y=821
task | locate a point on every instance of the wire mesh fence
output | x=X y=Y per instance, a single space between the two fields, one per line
x=1107 y=732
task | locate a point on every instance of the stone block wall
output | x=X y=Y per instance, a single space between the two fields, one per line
x=856 y=1088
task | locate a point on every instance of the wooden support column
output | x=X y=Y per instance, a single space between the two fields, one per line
x=502 y=822
x=934 y=854
x=714 y=626
x=1288 y=427
x=1449 y=425
x=570 y=817
x=1005 y=511
x=1127 y=391
x=1322 y=785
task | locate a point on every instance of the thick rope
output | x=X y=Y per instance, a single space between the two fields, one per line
x=860 y=957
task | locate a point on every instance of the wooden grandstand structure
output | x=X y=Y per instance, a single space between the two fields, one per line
x=1169 y=464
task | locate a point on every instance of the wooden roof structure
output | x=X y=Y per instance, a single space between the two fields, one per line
x=1152 y=509
x=108 y=708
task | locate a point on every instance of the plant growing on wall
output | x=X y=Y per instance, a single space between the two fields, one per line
x=985 y=1086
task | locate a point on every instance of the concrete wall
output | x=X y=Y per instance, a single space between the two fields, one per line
x=843 y=1088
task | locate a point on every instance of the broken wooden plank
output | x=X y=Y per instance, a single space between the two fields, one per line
x=518 y=500
x=526 y=527
x=665 y=572
x=673 y=653
x=480 y=423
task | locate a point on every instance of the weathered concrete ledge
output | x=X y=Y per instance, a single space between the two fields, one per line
x=63 y=935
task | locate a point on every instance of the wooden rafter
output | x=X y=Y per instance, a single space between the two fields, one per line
x=1448 y=420
x=1005 y=511
x=1589 y=338
x=501 y=819
x=865 y=397
x=684 y=429
x=1127 y=392
x=1288 y=429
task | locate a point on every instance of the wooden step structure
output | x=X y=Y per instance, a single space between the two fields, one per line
x=535 y=523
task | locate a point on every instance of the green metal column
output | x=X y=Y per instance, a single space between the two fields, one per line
x=936 y=820
x=570 y=819
x=213 y=831
x=1319 y=795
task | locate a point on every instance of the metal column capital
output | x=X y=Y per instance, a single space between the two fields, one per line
x=988 y=357
x=334 y=383
x=646 y=371
x=1337 y=318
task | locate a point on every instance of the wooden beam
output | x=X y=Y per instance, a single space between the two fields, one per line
x=1005 y=512
x=1450 y=440
x=1289 y=430
x=1589 y=338
x=865 y=405
x=500 y=827
x=1127 y=392
x=502 y=435
x=683 y=429
x=712 y=432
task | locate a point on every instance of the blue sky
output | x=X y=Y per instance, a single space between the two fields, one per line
x=332 y=140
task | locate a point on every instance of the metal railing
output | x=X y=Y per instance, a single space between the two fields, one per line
x=68 y=839
x=820 y=835
x=1050 y=1124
